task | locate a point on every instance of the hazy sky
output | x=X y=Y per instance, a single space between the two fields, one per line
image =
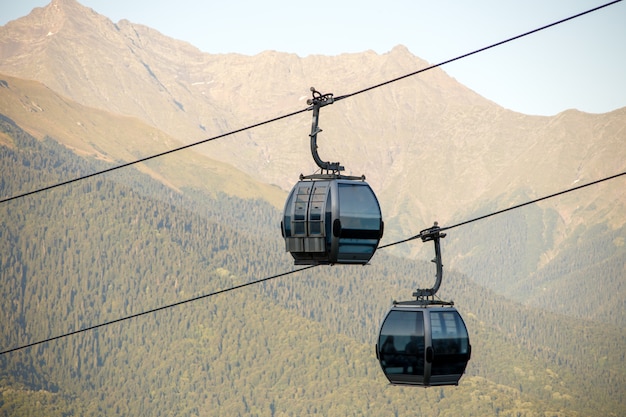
x=580 y=64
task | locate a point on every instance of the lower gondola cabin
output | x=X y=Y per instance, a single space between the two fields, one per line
x=423 y=345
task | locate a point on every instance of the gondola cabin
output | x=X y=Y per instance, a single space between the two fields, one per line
x=423 y=344
x=332 y=220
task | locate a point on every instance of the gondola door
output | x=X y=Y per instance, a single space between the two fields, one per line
x=401 y=347
x=450 y=349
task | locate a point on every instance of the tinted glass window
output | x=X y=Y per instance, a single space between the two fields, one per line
x=287 y=214
x=358 y=207
x=450 y=343
x=300 y=209
x=401 y=343
x=316 y=206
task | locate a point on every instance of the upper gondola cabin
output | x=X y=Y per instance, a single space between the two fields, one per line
x=332 y=220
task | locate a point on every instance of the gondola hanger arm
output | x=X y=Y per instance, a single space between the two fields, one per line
x=432 y=234
x=316 y=102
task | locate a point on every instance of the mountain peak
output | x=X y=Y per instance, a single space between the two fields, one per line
x=400 y=49
x=62 y=5
x=46 y=21
x=73 y=11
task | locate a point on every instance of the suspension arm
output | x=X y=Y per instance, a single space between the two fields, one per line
x=320 y=100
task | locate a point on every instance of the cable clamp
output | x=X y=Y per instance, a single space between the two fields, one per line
x=319 y=99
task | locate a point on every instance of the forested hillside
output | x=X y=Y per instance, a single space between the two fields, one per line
x=122 y=243
x=506 y=254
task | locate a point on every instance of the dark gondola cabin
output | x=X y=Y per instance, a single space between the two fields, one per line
x=423 y=344
x=332 y=220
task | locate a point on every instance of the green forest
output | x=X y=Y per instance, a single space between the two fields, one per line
x=118 y=244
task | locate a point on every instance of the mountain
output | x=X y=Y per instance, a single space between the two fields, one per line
x=432 y=149
x=541 y=287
